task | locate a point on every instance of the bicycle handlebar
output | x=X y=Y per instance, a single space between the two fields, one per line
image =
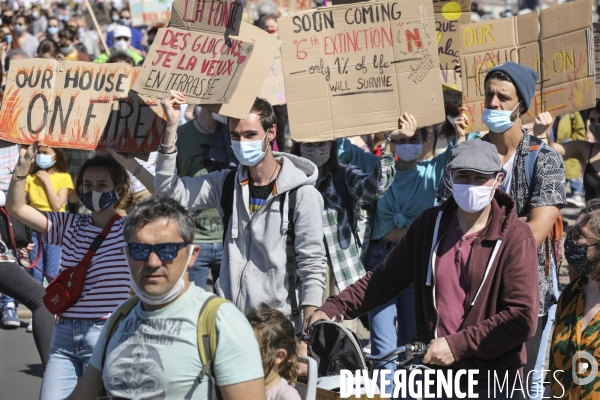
x=417 y=349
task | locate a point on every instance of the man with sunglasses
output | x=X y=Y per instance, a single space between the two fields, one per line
x=153 y=351
x=260 y=196
x=122 y=36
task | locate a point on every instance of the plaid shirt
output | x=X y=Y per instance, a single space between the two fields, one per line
x=342 y=249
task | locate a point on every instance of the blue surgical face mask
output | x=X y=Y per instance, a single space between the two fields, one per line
x=53 y=30
x=98 y=201
x=66 y=50
x=249 y=153
x=44 y=161
x=9 y=39
x=498 y=121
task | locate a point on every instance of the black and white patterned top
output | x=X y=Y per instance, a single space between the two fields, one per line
x=548 y=189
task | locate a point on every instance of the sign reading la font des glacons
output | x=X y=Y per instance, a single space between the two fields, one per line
x=354 y=69
x=561 y=50
x=79 y=105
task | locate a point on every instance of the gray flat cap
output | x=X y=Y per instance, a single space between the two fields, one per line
x=475 y=155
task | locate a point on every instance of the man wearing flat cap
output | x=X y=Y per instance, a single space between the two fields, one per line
x=470 y=260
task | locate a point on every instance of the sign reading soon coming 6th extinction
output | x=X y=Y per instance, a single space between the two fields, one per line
x=354 y=69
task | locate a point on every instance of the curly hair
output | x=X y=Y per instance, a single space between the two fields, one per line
x=274 y=332
x=118 y=174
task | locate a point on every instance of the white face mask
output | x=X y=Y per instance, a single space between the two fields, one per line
x=171 y=294
x=121 y=45
x=472 y=198
x=408 y=152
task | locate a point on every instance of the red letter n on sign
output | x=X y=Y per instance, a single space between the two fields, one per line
x=413 y=36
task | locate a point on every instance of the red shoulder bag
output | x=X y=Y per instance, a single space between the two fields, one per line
x=66 y=288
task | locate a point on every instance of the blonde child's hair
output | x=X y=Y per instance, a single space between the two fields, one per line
x=273 y=332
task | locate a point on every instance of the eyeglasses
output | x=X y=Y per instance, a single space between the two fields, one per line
x=122 y=38
x=320 y=145
x=164 y=251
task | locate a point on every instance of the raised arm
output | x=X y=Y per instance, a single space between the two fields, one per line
x=197 y=193
x=136 y=169
x=578 y=149
x=16 y=204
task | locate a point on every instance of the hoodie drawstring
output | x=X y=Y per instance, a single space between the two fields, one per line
x=487 y=269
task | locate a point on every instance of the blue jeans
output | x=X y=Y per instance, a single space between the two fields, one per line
x=209 y=259
x=382 y=320
x=49 y=260
x=73 y=342
x=537 y=390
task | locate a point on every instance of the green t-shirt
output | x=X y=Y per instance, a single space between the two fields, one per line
x=193 y=147
x=154 y=354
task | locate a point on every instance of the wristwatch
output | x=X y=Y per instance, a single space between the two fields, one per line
x=389 y=139
x=161 y=149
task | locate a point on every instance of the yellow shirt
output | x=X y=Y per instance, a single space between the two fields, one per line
x=36 y=190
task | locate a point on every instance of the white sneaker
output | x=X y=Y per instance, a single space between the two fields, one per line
x=367 y=348
x=576 y=200
x=30 y=326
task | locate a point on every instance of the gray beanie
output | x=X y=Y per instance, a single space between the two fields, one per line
x=524 y=79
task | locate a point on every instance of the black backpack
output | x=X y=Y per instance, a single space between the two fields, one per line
x=227 y=207
x=334 y=348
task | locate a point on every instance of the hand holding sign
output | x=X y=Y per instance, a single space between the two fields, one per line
x=542 y=123
x=171 y=106
x=461 y=123
x=407 y=126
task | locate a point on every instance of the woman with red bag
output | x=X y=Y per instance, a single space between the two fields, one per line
x=102 y=185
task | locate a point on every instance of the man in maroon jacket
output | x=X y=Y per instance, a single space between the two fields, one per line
x=474 y=265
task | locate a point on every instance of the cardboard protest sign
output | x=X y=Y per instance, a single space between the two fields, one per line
x=136 y=122
x=561 y=50
x=266 y=47
x=149 y=12
x=206 y=67
x=354 y=69
x=449 y=16
x=597 y=56
x=78 y=105
x=216 y=16
x=273 y=88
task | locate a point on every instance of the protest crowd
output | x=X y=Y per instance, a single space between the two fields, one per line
x=180 y=229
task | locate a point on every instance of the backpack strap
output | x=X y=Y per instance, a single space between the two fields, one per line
x=341 y=187
x=290 y=249
x=113 y=323
x=207 y=340
x=227 y=200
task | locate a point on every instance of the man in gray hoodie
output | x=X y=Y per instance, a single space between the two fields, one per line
x=253 y=266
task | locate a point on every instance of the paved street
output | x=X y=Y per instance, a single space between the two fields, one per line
x=20 y=366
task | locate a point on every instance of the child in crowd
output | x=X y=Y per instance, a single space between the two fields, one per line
x=48 y=185
x=275 y=335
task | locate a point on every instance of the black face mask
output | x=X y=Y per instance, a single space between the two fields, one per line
x=576 y=255
x=7 y=20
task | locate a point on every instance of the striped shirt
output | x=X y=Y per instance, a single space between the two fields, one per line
x=107 y=281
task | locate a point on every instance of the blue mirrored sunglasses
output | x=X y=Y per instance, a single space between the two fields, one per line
x=164 y=251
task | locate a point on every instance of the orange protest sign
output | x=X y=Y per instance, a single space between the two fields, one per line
x=79 y=105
